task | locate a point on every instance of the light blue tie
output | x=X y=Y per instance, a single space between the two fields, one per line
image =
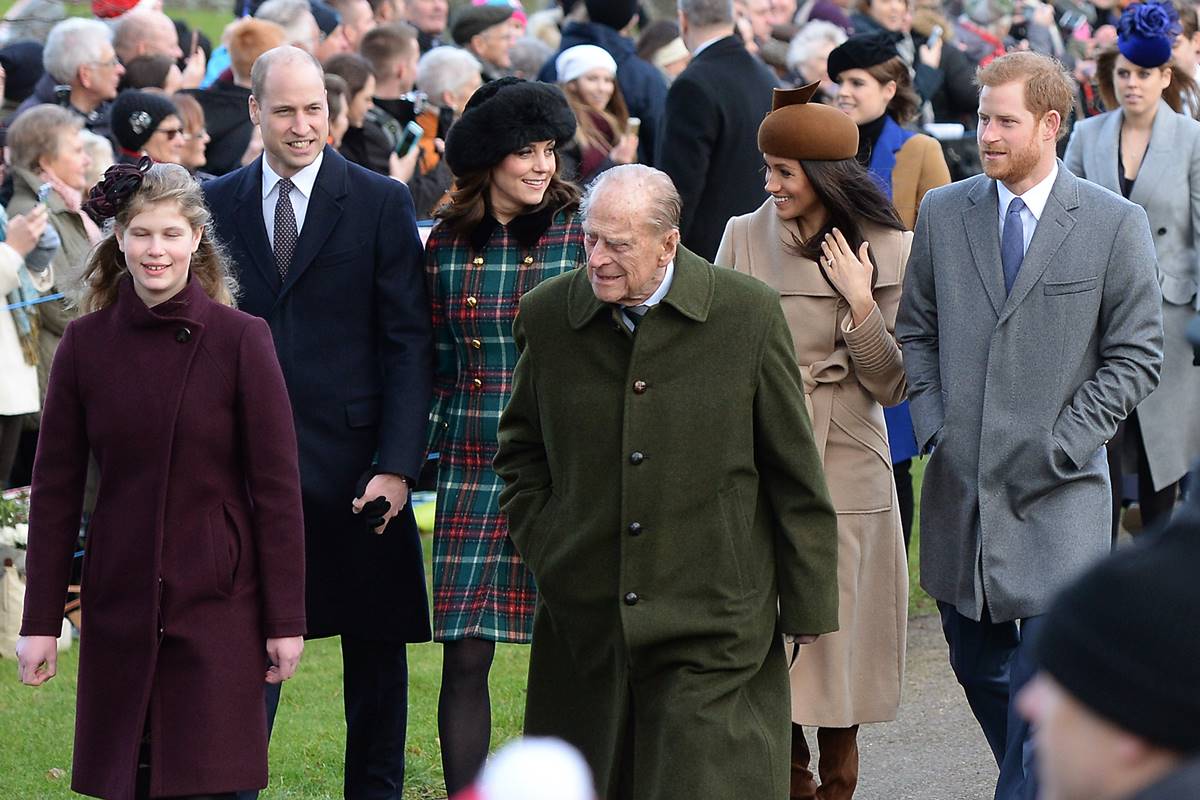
x=1012 y=243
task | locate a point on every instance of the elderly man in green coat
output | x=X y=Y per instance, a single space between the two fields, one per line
x=663 y=486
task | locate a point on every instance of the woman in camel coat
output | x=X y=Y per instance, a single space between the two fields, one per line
x=832 y=245
x=876 y=92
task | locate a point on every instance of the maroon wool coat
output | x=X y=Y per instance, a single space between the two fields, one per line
x=195 y=553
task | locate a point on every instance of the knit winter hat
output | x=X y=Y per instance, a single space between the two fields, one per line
x=806 y=131
x=473 y=20
x=1122 y=641
x=22 y=62
x=110 y=9
x=135 y=116
x=327 y=18
x=581 y=59
x=1146 y=33
x=504 y=116
x=616 y=14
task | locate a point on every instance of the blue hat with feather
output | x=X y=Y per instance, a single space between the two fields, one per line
x=1146 y=33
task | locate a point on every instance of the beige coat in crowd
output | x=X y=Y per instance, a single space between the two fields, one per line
x=854 y=675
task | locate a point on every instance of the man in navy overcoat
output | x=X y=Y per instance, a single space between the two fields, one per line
x=328 y=254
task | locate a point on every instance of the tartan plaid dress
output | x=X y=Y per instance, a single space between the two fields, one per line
x=481 y=589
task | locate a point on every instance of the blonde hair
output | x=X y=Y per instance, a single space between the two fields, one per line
x=163 y=183
x=616 y=114
x=1048 y=87
x=38 y=133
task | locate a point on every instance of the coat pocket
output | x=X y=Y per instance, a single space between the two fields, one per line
x=346 y=255
x=858 y=465
x=363 y=413
x=1071 y=287
x=226 y=548
x=1176 y=290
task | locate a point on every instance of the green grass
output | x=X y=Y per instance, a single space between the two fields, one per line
x=36 y=725
x=209 y=21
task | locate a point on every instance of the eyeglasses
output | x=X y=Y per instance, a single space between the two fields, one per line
x=112 y=62
x=171 y=133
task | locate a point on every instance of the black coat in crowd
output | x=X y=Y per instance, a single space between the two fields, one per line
x=709 y=140
x=352 y=329
x=228 y=122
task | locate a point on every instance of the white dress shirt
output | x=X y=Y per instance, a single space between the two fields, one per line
x=1035 y=203
x=656 y=297
x=710 y=42
x=304 y=180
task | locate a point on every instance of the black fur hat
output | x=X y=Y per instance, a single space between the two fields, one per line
x=503 y=116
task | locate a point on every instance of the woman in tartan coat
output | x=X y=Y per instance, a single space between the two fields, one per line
x=510 y=224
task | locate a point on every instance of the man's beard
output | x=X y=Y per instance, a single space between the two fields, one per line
x=1017 y=166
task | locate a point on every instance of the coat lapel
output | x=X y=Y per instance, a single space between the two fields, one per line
x=1159 y=156
x=1052 y=230
x=324 y=211
x=982 y=221
x=251 y=228
x=1102 y=164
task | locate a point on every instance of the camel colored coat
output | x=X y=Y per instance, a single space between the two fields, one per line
x=853 y=675
x=920 y=166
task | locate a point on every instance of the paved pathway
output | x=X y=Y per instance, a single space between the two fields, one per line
x=934 y=750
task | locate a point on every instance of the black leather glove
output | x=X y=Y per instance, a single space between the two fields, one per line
x=373 y=511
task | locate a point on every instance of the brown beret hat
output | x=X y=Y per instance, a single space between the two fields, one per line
x=806 y=131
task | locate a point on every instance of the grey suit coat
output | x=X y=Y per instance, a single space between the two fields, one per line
x=1022 y=392
x=1168 y=187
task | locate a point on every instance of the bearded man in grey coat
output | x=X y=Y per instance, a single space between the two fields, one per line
x=1031 y=326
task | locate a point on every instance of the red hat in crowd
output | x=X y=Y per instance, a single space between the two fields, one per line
x=107 y=9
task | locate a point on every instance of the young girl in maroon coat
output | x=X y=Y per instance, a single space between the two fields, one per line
x=193 y=577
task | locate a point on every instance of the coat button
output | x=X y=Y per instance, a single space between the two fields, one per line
x=528 y=259
x=631 y=599
x=472 y=302
x=476 y=344
x=183 y=335
x=635 y=528
x=478 y=384
x=639 y=387
x=1162 y=231
x=637 y=457
x=478 y=261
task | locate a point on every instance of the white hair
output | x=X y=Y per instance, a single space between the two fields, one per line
x=292 y=15
x=814 y=33
x=445 y=70
x=655 y=188
x=73 y=43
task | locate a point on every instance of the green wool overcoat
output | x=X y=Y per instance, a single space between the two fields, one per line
x=665 y=490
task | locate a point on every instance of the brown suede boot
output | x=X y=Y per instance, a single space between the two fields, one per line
x=804 y=784
x=838 y=765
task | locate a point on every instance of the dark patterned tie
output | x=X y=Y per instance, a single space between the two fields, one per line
x=1012 y=244
x=286 y=233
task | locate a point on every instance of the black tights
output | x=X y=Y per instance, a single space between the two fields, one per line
x=465 y=710
x=902 y=474
x=1155 y=506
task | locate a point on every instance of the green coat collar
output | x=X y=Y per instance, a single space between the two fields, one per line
x=691 y=291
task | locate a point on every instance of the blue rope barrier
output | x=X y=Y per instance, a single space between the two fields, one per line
x=27 y=303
